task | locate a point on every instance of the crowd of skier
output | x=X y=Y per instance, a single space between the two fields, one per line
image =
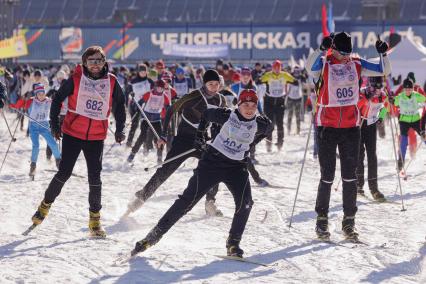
x=217 y=114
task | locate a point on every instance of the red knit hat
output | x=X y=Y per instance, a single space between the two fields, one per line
x=247 y=96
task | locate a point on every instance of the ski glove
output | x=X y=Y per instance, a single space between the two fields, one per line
x=55 y=129
x=381 y=46
x=200 y=142
x=326 y=43
x=119 y=137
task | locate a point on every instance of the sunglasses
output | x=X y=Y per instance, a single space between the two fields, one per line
x=344 y=53
x=95 y=61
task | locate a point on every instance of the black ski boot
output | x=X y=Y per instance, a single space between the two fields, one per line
x=321 y=228
x=33 y=167
x=233 y=247
x=348 y=227
x=360 y=191
x=151 y=239
x=377 y=195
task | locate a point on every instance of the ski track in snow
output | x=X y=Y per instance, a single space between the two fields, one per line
x=59 y=250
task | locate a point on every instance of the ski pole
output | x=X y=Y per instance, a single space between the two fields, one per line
x=170 y=160
x=8 y=148
x=301 y=172
x=8 y=128
x=32 y=119
x=147 y=120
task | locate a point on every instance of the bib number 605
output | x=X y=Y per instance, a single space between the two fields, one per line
x=94 y=105
x=344 y=92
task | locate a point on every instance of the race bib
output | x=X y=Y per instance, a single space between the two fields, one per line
x=295 y=92
x=276 y=88
x=181 y=89
x=408 y=107
x=93 y=98
x=140 y=89
x=40 y=110
x=343 y=88
x=373 y=112
x=154 y=104
x=235 y=137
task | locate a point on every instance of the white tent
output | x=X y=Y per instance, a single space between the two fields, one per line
x=409 y=56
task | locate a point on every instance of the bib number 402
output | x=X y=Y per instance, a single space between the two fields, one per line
x=94 y=105
x=344 y=92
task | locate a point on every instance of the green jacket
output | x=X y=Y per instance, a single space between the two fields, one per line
x=409 y=106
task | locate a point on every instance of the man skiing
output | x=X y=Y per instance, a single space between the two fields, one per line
x=153 y=104
x=223 y=160
x=191 y=108
x=372 y=105
x=337 y=117
x=181 y=84
x=409 y=102
x=92 y=94
x=274 y=100
x=138 y=87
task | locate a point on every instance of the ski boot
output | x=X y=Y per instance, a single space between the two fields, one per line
x=151 y=239
x=348 y=228
x=268 y=146
x=261 y=182
x=321 y=228
x=58 y=162
x=131 y=157
x=41 y=213
x=95 y=227
x=279 y=145
x=33 y=167
x=133 y=206
x=378 y=196
x=360 y=191
x=211 y=209
x=233 y=247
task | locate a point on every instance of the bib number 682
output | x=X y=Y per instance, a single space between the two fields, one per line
x=344 y=92
x=94 y=105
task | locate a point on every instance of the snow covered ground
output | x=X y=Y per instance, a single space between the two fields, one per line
x=59 y=250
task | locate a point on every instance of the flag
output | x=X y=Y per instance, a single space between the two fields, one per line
x=330 y=20
x=325 y=31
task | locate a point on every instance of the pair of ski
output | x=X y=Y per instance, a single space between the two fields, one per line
x=123 y=259
x=353 y=240
x=384 y=200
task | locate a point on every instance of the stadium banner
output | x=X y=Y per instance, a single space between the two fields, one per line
x=196 y=50
x=245 y=42
x=13 y=47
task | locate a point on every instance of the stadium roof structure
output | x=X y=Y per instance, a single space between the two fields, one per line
x=55 y=12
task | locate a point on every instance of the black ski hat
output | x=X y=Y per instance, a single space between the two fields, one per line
x=411 y=77
x=376 y=82
x=211 y=75
x=342 y=42
x=407 y=84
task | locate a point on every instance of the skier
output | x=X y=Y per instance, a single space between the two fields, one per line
x=138 y=86
x=223 y=160
x=246 y=83
x=153 y=104
x=274 y=101
x=373 y=106
x=337 y=117
x=181 y=84
x=191 y=107
x=409 y=102
x=412 y=138
x=38 y=110
x=92 y=94
x=294 y=104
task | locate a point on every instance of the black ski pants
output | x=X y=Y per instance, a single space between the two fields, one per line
x=367 y=144
x=181 y=143
x=206 y=175
x=144 y=134
x=71 y=148
x=135 y=115
x=274 y=109
x=347 y=141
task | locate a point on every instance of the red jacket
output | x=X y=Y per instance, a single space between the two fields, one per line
x=336 y=117
x=80 y=126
